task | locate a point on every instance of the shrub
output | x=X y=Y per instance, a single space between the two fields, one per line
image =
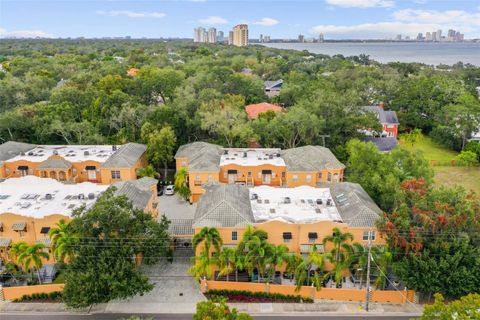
x=248 y=296
x=467 y=158
x=56 y=295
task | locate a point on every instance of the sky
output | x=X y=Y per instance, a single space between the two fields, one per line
x=336 y=19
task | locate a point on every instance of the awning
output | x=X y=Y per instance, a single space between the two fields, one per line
x=19 y=226
x=307 y=248
x=287 y=235
x=5 y=242
x=266 y=171
x=44 y=230
x=46 y=242
x=232 y=171
x=90 y=168
x=312 y=235
x=22 y=168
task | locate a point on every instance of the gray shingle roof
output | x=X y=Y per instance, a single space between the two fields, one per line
x=224 y=205
x=276 y=84
x=202 y=156
x=135 y=193
x=310 y=158
x=358 y=210
x=181 y=227
x=145 y=183
x=11 y=149
x=55 y=164
x=389 y=117
x=125 y=156
x=383 y=144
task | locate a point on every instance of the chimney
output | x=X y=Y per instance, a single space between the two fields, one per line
x=381 y=104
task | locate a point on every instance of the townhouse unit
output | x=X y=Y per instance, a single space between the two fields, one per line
x=207 y=163
x=298 y=217
x=30 y=205
x=103 y=164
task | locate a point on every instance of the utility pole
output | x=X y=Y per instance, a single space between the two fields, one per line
x=367 y=298
x=323 y=136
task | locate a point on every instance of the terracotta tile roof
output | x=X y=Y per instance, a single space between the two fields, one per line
x=253 y=110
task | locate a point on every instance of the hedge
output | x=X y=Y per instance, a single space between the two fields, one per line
x=261 y=295
x=56 y=295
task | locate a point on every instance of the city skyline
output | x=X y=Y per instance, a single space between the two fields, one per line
x=336 y=19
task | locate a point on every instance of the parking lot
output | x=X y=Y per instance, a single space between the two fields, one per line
x=173 y=207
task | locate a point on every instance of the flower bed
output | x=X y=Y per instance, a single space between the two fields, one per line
x=255 y=297
x=41 y=297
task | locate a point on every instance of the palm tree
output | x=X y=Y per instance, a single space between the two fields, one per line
x=314 y=262
x=361 y=260
x=63 y=241
x=209 y=237
x=181 y=183
x=342 y=259
x=256 y=250
x=202 y=266
x=338 y=239
x=33 y=255
x=277 y=257
x=16 y=249
x=226 y=262
x=383 y=258
x=239 y=263
x=148 y=171
x=251 y=238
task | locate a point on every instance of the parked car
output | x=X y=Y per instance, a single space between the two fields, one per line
x=169 y=190
x=159 y=190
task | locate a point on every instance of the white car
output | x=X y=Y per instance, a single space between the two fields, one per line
x=169 y=190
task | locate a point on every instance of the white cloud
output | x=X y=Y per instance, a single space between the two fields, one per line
x=131 y=14
x=361 y=3
x=268 y=22
x=407 y=22
x=214 y=20
x=24 y=34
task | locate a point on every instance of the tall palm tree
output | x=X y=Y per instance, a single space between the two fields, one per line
x=383 y=259
x=277 y=257
x=251 y=238
x=226 y=262
x=210 y=237
x=181 y=183
x=32 y=255
x=342 y=259
x=202 y=266
x=256 y=250
x=239 y=263
x=313 y=263
x=360 y=261
x=63 y=241
x=338 y=239
x=16 y=249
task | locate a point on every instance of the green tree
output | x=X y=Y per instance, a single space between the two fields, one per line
x=278 y=256
x=160 y=144
x=148 y=171
x=158 y=82
x=31 y=256
x=111 y=234
x=63 y=241
x=181 y=183
x=210 y=237
x=202 y=266
x=466 y=308
x=218 y=311
x=226 y=262
x=305 y=268
x=467 y=158
x=412 y=137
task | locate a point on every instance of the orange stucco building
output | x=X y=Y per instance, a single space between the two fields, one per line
x=207 y=163
x=30 y=206
x=102 y=164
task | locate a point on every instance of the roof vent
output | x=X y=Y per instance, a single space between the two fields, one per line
x=114 y=148
x=329 y=202
x=245 y=154
x=48 y=196
x=86 y=153
x=225 y=151
x=278 y=155
x=55 y=152
x=270 y=156
x=81 y=196
x=319 y=201
x=254 y=196
x=287 y=200
x=30 y=153
x=91 y=196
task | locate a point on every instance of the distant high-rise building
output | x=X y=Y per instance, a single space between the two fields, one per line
x=398 y=37
x=266 y=38
x=434 y=36
x=240 y=35
x=439 y=35
x=301 y=38
x=420 y=36
x=230 y=37
x=428 y=36
x=212 y=35
x=320 y=37
x=199 y=34
x=220 y=37
x=260 y=39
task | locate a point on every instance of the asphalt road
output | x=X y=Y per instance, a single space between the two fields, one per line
x=112 y=316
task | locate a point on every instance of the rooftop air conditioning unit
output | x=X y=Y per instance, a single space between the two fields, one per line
x=86 y=153
x=254 y=196
x=91 y=196
x=114 y=148
x=81 y=196
x=319 y=201
x=287 y=200
x=225 y=151
x=245 y=154
x=329 y=202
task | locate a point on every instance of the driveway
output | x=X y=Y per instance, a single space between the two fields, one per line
x=175 y=291
x=173 y=207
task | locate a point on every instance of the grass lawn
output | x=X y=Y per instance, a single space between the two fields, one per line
x=430 y=149
x=469 y=178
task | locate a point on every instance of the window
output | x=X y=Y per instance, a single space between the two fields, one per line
x=287 y=237
x=183 y=164
x=294 y=178
x=198 y=181
x=283 y=175
x=115 y=174
x=329 y=177
x=366 y=233
x=74 y=171
x=320 y=176
x=312 y=237
x=234 y=236
x=249 y=174
x=308 y=178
